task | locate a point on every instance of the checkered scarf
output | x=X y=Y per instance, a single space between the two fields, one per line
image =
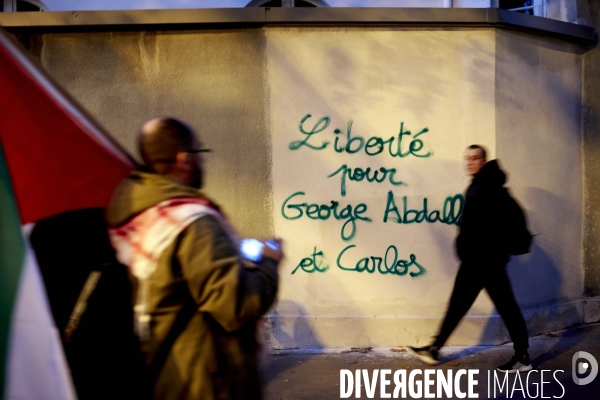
x=140 y=242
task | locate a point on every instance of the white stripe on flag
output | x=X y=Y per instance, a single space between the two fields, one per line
x=36 y=364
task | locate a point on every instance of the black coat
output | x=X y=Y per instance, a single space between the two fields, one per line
x=482 y=231
x=103 y=352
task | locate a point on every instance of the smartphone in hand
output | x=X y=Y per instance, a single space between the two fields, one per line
x=251 y=249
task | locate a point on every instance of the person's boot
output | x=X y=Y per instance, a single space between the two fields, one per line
x=427 y=354
x=520 y=363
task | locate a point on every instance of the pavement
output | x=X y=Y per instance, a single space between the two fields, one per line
x=315 y=374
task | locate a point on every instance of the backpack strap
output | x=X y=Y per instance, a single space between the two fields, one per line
x=81 y=304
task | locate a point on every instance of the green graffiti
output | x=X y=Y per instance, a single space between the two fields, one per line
x=451 y=212
x=375 y=145
x=415 y=146
x=320 y=126
x=349 y=141
x=384 y=265
x=325 y=211
x=358 y=174
x=311 y=264
x=372 y=146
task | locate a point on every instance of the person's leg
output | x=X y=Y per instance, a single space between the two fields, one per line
x=500 y=291
x=467 y=286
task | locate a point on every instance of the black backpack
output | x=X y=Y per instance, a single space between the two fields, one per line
x=102 y=351
x=517 y=237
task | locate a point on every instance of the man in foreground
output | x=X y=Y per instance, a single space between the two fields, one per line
x=481 y=247
x=196 y=306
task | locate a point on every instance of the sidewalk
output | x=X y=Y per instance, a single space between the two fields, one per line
x=299 y=374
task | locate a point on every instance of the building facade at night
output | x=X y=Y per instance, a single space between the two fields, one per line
x=304 y=105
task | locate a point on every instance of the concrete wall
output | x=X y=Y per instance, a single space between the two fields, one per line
x=591 y=161
x=378 y=79
x=250 y=94
x=538 y=138
x=471 y=86
x=215 y=80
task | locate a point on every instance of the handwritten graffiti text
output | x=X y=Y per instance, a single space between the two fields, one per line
x=412 y=145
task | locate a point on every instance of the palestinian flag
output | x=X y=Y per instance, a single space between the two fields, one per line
x=53 y=159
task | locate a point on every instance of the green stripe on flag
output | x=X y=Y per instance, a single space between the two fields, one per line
x=12 y=254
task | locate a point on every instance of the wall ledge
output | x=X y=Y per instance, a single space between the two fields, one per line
x=334 y=332
x=227 y=18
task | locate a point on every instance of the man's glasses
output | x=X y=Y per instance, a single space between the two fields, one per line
x=172 y=159
x=473 y=158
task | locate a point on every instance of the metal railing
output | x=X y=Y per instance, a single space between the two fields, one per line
x=538 y=9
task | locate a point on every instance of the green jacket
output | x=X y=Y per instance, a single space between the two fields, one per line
x=203 y=302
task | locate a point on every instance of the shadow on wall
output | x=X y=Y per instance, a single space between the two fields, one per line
x=549 y=189
x=291 y=327
x=286 y=331
x=535 y=278
x=294 y=329
x=526 y=274
x=548 y=216
x=537 y=281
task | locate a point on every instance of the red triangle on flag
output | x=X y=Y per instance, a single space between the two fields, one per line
x=58 y=158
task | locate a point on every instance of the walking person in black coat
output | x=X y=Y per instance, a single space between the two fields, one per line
x=483 y=250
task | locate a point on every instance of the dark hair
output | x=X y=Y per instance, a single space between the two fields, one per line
x=476 y=146
x=160 y=143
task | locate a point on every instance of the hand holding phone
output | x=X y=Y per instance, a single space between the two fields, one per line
x=273 y=249
x=254 y=250
x=251 y=249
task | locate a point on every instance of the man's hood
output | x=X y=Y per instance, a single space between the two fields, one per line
x=491 y=174
x=140 y=191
